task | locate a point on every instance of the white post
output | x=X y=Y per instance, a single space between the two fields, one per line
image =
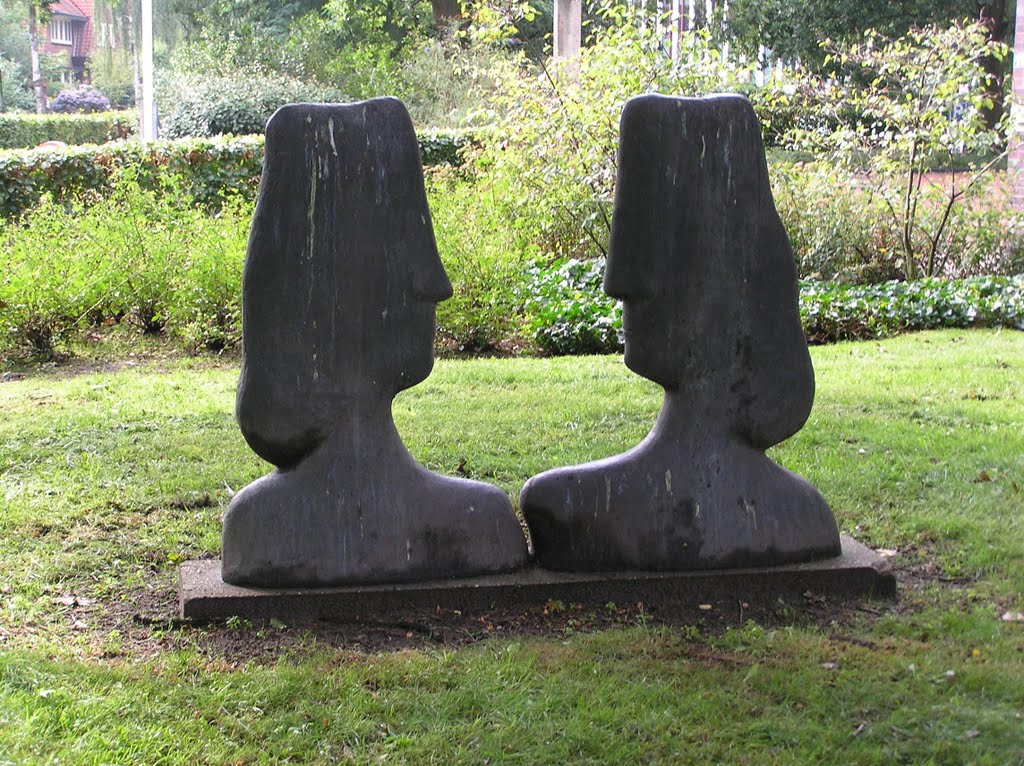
x=568 y=28
x=678 y=24
x=147 y=117
x=1015 y=160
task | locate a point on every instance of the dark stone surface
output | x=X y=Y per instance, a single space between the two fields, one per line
x=341 y=280
x=859 y=571
x=708 y=282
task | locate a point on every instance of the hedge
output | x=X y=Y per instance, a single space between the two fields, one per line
x=570 y=313
x=212 y=168
x=22 y=131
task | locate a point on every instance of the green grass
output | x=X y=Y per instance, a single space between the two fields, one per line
x=108 y=480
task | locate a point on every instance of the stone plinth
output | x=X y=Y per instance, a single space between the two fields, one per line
x=858 y=571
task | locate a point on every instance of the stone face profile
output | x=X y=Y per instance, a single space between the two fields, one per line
x=708 y=283
x=341 y=280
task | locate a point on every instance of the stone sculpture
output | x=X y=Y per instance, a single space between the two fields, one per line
x=339 y=290
x=708 y=283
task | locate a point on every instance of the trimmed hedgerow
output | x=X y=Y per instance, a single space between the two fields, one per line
x=22 y=131
x=212 y=169
x=832 y=312
x=570 y=314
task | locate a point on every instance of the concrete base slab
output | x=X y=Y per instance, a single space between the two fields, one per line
x=858 y=571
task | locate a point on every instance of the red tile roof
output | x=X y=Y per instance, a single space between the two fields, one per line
x=70 y=8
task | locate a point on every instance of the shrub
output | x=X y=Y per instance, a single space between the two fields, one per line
x=81 y=100
x=922 y=101
x=15 y=96
x=156 y=261
x=558 y=125
x=193 y=105
x=485 y=257
x=213 y=169
x=22 y=131
x=832 y=312
x=569 y=312
x=843 y=229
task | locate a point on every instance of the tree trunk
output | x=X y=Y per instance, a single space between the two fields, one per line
x=38 y=86
x=133 y=51
x=446 y=10
x=993 y=16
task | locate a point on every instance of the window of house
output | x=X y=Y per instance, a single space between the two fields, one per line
x=60 y=31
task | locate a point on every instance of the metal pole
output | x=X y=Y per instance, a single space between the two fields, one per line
x=1015 y=161
x=148 y=115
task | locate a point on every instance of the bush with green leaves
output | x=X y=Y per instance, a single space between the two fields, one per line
x=558 y=124
x=23 y=131
x=203 y=105
x=14 y=96
x=841 y=225
x=214 y=169
x=922 y=102
x=570 y=314
x=831 y=312
x=486 y=257
x=154 y=260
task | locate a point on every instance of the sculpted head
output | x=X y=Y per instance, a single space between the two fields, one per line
x=680 y=220
x=343 y=206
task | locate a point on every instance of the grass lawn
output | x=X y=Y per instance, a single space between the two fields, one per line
x=108 y=479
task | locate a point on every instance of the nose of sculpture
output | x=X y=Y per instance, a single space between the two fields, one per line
x=430 y=283
x=622 y=280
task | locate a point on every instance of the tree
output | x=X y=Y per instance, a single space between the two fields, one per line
x=38 y=13
x=901 y=109
x=796 y=30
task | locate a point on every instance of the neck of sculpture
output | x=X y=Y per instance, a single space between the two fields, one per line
x=364 y=428
x=690 y=410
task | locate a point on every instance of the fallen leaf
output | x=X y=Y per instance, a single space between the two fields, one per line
x=982 y=477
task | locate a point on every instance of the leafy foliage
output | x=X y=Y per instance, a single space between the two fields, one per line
x=558 y=122
x=212 y=169
x=923 y=109
x=832 y=312
x=794 y=29
x=842 y=227
x=156 y=261
x=201 y=105
x=570 y=314
x=485 y=255
x=22 y=131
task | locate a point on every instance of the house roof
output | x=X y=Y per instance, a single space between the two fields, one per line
x=68 y=8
